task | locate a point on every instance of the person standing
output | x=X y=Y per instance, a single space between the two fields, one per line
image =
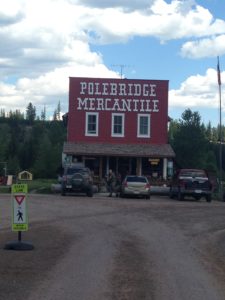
x=111 y=179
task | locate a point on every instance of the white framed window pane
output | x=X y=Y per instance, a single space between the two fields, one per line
x=91 y=124
x=92 y=119
x=143 y=125
x=118 y=125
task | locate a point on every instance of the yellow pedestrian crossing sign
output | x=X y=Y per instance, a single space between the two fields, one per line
x=19 y=207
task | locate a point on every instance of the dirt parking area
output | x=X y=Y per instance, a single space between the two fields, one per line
x=104 y=248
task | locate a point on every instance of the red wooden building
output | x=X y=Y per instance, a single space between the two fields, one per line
x=119 y=124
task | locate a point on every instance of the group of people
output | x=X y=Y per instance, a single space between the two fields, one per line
x=113 y=183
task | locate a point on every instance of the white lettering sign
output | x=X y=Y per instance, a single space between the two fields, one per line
x=132 y=97
x=115 y=104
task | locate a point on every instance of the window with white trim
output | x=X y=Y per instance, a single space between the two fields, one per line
x=143 y=129
x=91 y=128
x=118 y=125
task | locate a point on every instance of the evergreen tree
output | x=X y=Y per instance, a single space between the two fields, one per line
x=2 y=113
x=31 y=113
x=208 y=131
x=37 y=146
x=5 y=138
x=57 y=112
x=190 y=143
x=43 y=114
x=55 y=115
x=13 y=166
x=43 y=166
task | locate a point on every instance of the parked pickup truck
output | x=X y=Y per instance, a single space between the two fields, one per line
x=191 y=182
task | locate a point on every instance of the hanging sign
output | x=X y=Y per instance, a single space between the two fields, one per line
x=19 y=207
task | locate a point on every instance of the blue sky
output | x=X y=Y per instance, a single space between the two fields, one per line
x=44 y=42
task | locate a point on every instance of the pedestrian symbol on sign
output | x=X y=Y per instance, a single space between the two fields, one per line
x=20 y=215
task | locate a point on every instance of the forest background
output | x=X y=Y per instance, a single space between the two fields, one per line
x=30 y=142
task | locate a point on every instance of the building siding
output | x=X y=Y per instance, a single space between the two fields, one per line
x=158 y=119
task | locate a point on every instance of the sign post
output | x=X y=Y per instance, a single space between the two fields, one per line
x=19 y=217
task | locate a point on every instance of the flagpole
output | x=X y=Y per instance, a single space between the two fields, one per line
x=220 y=133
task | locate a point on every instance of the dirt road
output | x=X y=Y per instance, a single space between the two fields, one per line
x=107 y=248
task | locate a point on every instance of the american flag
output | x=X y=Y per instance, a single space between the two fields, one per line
x=218 y=71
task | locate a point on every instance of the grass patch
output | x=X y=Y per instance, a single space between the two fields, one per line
x=5 y=189
x=40 y=186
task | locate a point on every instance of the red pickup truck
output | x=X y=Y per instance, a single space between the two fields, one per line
x=191 y=182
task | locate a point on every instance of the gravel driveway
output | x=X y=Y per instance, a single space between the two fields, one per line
x=104 y=248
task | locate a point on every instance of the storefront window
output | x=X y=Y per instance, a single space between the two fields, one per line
x=91 y=124
x=143 y=125
x=118 y=125
x=152 y=168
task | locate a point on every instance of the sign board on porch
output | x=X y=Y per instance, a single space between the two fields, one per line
x=19 y=207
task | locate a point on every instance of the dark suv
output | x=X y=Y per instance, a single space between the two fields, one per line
x=77 y=179
x=191 y=182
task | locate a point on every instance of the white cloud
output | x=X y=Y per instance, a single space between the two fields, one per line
x=44 y=42
x=179 y=19
x=48 y=89
x=199 y=91
x=125 y=4
x=209 y=47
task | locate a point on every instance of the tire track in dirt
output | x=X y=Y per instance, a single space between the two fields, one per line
x=21 y=271
x=130 y=278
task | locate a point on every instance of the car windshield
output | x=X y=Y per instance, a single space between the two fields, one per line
x=193 y=173
x=72 y=171
x=136 y=179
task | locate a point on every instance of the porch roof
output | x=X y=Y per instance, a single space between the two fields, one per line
x=104 y=149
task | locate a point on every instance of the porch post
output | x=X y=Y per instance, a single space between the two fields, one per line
x=100 y=167
x=83 y=160
x=139 y=165
x=130 y=165
x=164 y=168
x=117 y=164
x=107 y=165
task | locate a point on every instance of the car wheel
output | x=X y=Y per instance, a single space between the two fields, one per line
x=180 y=196
x=208 y=198
x=90 y=193
x=171 y=195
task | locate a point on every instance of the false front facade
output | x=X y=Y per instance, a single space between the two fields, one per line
x=119 y=124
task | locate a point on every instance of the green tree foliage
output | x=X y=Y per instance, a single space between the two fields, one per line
x=195 y=144
x=57 y=112
x=13 y=165
x=34 y=147
x=31 y=113
x=2 y=113
x=43 y=114
x=5 y=138
x=44 y=164
x=189 y=141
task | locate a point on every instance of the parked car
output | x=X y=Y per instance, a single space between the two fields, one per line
x=77 y=179
x=137 y=186
x=191 y=182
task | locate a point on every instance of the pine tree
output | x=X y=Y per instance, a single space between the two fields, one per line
x=31 y=113
x=190 y=142
x=43 y=114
